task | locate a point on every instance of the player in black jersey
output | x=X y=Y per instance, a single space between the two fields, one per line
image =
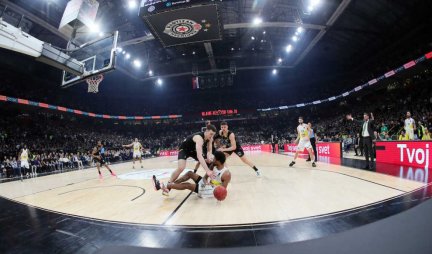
x=192 y=147
x=207 y=123
x=100 y=161
x=230 y=144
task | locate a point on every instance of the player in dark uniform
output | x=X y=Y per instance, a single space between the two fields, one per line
x=203 y=129
x=230 y=144
x=100 y=161
x=192 y=147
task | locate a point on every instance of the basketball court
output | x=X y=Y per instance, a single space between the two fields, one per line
x=281 y=194
x=208 y=42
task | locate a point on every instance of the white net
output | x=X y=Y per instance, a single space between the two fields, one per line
x=93 y=83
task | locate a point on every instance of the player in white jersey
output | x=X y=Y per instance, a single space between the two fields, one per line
x=24 y=157
x=410 y=126
x=137 y=149
x=202 y=186
x=303 y=141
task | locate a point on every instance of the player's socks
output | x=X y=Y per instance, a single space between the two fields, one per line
x=165 y=190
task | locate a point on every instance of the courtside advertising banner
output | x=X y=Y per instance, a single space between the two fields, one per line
x=246 y=148
x=405 y=159
x=407 y=153
x=324 y=149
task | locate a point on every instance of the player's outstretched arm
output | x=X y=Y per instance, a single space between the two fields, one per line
x=130 y=145
x=198 y=147
x=226 y=179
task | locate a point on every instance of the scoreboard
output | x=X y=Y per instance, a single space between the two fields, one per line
x=149 y=7
x=180 y=22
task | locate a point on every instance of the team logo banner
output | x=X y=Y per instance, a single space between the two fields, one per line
x=187 y=25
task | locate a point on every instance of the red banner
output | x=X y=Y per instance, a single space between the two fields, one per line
x=259 y=148
x=407 y=153
x=324 y=149
x=246 y=148
x=168 y=153
x=292 y=148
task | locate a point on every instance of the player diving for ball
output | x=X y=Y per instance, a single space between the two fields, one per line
x=137 y=151
x=201 y=185
x=192 y=147
x=303 y=141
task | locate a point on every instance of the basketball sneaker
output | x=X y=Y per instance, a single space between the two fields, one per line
x=113 y=174
x=258 y=173
x=313 y=164
x=156 y=183
x=292 y=163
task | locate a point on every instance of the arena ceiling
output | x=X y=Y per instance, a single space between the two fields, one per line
x=341 y=39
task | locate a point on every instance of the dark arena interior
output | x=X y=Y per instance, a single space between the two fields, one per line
x=215 y=126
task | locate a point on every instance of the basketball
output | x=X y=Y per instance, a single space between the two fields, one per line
x=220 y=193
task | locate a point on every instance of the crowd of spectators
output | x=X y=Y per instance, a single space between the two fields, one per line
x=61 y=141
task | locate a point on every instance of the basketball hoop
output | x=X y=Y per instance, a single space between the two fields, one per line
x=93 y=83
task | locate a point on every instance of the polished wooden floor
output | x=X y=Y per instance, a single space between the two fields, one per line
x=281 y=194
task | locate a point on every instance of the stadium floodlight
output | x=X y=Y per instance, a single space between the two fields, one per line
x=132 y=4
x=257 y=21
x=137 y=63
x=252 y=38
x=279 y=60
x=295 y=38
x=313 y=4
x=288 y=48
x=274 y=72
x=94 y=28
x=300 y=30
x=159 y=82
x=150 y=73
x=127 y=56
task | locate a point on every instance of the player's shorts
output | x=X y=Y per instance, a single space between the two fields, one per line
x=239 y=151
x=25 y=164
x=100 y=161
x=410 y=134
x=184 y=154
x=137 y=154
x=304 y=144
x=203 y=190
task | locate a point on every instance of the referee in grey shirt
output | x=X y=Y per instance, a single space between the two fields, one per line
x=313 y=142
